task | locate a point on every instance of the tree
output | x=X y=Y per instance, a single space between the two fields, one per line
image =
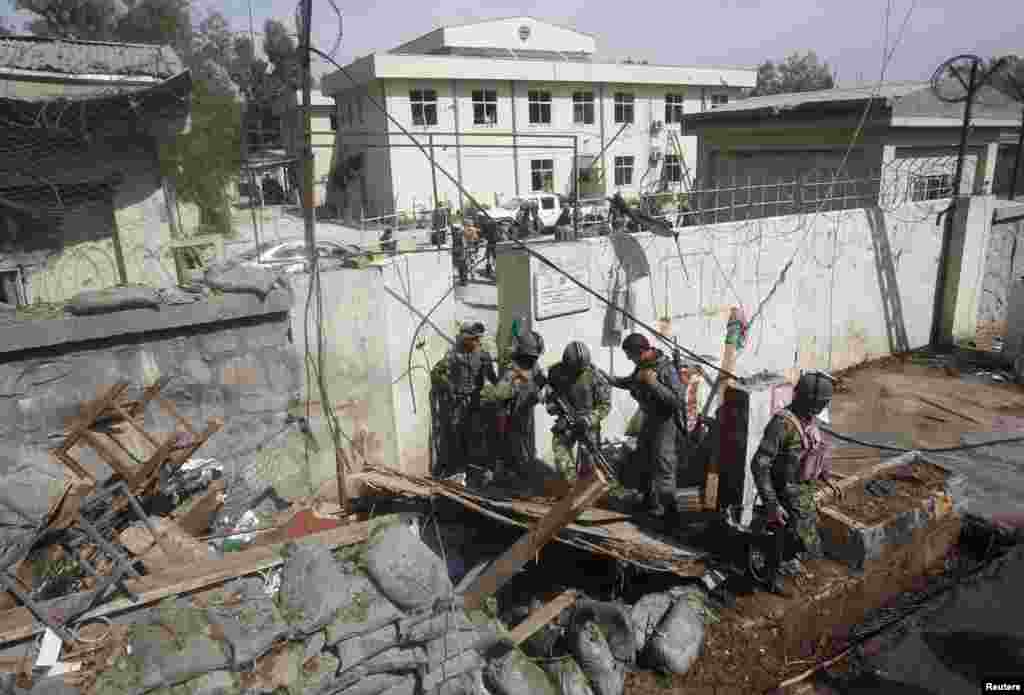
x=282 y=54
x=798 y=73
x=205 y=161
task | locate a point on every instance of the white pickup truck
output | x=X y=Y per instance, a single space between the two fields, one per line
x=549 y=209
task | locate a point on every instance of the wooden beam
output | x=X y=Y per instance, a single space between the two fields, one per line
x=89 y=412
x=586 y=492
x=542 y=616
x=114 y=458
x=19 y=624
x=868 y=473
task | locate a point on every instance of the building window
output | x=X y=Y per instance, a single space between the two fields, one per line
x=719 y=100
x=542 y=175
x=623 y=171
x=485 y=107
x=334 y=121
x=424 y=106
x=934 y=187
x=623 y=107
x=583 y=108
x=673 y=108
x=540 y=107
x=673 y=168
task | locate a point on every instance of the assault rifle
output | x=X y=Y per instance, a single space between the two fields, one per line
x=570 y=423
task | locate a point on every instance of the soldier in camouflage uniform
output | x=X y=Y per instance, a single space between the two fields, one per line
x=457 y=379
x=656 y=386
x=588 y=393
x=792 y=456
x=514 y=397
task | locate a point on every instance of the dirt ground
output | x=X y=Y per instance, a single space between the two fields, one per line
x=745 y=653
x=912 y=484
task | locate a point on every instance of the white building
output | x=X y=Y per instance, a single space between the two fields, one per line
x=489 y=99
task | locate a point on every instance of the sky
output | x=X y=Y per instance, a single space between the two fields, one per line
x=849 y=35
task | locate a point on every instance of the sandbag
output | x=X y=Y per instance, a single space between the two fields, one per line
x=471 y=683
x=407 y=571
x=378 y=685
x=647 y=615
x=568 y=676
x=615 y=623
x=239 y=278
x=679 y=638
x=606 y=674
x=113 y=299
x=515 y=674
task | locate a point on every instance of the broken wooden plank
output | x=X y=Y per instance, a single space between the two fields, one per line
x=542 y=616
x=18 y=623
x=88 y=413
x=117 y=460
x=587 y=490
x=948 y=410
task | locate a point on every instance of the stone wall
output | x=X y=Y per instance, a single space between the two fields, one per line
x=229 y=356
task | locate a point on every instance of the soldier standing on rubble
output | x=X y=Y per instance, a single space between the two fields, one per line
x=656 y=386
x=515 y=395
x=459 y=255
x=586 y=390
x=791 y=457
x=457 y=379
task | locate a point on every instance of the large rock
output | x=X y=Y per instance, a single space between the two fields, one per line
x=314 y=587
x=406 y=570
x=515 y=674
x=248 y=618
x=606 y=674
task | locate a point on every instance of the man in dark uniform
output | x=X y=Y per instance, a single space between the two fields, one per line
x=458 y=378
x=490 y=233
x=656 y=386
x=514 y=397
x=459 y=255
x=792 y=456
x=588 y=393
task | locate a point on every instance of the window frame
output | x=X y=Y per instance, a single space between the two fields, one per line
x=624 y=104
x=624 y=171
x=932 y=187
x=719 y=100
x=539 y=98
x=422 y=99
x=484 y=105
x=542 y=171
x=674 y=108
x=580 y=106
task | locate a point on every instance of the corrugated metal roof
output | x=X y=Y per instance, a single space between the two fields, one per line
x=891 y=90
x=88 y=57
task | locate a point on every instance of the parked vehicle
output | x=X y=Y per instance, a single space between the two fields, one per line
x=292 y=256
x=549 y=209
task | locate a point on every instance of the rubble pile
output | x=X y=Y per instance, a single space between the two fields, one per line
x=367 y=619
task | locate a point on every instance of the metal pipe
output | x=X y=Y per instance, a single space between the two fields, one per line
x=433 y=171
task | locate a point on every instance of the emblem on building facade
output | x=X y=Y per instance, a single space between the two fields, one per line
x=524 y=33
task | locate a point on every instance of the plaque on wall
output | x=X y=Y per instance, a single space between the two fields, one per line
x=554 y=294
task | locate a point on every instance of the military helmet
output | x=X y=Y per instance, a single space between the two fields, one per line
x=473 y=329
x=813 y=392
x=576 y=355
x=635 y=342
x=529 y=344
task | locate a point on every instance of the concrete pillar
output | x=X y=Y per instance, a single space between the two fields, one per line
x=891 y=189
x=744 y=414
x=987 y=169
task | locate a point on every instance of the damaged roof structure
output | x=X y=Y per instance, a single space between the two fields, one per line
x=79 y=159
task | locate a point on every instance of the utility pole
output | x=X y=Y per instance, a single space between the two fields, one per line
x=307 y=133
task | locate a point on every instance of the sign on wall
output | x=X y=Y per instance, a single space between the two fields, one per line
x=554 y=294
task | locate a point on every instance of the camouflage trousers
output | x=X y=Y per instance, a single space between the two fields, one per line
x=798 y=500
x=564 y=450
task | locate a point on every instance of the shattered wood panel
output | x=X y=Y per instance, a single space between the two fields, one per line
x=621 y=540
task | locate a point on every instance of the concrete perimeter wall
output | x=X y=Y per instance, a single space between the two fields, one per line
x=381 y=400
x=228 y=357
x=825 y=313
